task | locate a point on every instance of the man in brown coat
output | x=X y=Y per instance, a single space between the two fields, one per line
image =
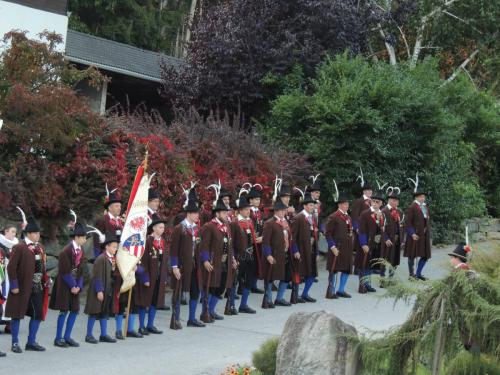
x=101 y=297
x=339 y=236
x=372 y=239
x=151 y=274
x=65 y=295
x=245 y=245
x=216 y=256
x=254 y=197
x=275 y=246
x=29 y=284
x=184 y=258
x=111 y=221
x=418 y=229
x=394 y=229
x=304 y=239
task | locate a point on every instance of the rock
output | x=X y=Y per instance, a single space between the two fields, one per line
x=478 y=237
x=314 y=343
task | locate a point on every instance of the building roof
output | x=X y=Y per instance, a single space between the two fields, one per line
x=116 y=57
x=53 y=6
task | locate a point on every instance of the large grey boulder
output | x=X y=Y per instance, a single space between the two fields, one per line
x=315 y=343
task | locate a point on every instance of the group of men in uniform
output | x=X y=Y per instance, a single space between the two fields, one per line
x=212 y=255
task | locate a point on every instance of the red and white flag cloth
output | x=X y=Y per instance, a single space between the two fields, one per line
x=133 y=238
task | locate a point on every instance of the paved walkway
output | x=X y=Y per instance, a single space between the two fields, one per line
x=200 y=351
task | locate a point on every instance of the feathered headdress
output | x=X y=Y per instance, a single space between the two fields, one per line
x=242 y=191
x=336 y=194
x=23 y=217
x=216 y=188
x=302 y=193
x=277 y=187
x=361 y=177
x=101 y=236
x=186 y=192
x=414 y=182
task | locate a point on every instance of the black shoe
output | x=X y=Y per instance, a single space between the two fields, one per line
x=217 y=316
x=309 y=299
x=91 y=340
x=60 y=343
x=119 y=335
x=315 y=279
x=195 y=323
x=134 y=334
x=343 y=295
x=246 y=310
x=107 y=338
x=270 y=305
x=164 y=308
x=154 y=330
x=35 y=347
x=2 y=354
x=282 y=302
x=301 y=300
x=16 y=348
x=72 y=343
x=370 y=289
x=421 y=278
x=143 y=331
x=234 y=311
x=257 y=291
x=183 y=301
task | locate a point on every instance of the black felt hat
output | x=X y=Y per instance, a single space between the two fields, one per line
x=460 y=251
x=110 y=199
x=79 y=230
x=31 y=226
x=153 y=194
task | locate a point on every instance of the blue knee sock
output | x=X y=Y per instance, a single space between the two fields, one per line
x=420 y=266
x=281 y=290
x=343 y=282
x=70 y=323
x=33 y=329
x=212 y=304
x=192 y=309
x=269 y=291
x=14 y=330
x=119 y=322
x=131 y=322
x=151 y=316
x=60 y=324
x=90 y=325
x=307 y=286
x=104 y=326
x=244 y=297
x=142 y=318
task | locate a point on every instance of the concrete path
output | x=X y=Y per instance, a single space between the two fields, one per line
x=200 y=351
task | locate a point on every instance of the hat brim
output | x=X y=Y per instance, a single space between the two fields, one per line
x=457 y=256
x=107 y=204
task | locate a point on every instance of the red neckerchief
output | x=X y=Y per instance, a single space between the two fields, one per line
x=395 y=214
x=313 y=224
x=247 y=224
x=221 y=227
x=284 y=225
x=159 y=245
x=77 y=255
x=115 y=222
x=380 y=222
x=345 y=218
x=112 y=260
x=256 y=215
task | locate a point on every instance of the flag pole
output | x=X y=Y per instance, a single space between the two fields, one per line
x=131 y=199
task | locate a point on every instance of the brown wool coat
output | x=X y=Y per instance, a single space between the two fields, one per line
x=102 y=270
x=393 y=254
x=336 y=229
x=240 y=239
x=301 y=236
x=415 y=219
x=368 y=226
x=105 y=226
x=143 y=295
x=212 y=240
x=61 y=298
x=21 y=267
x=273 y=237
x=182 y=248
